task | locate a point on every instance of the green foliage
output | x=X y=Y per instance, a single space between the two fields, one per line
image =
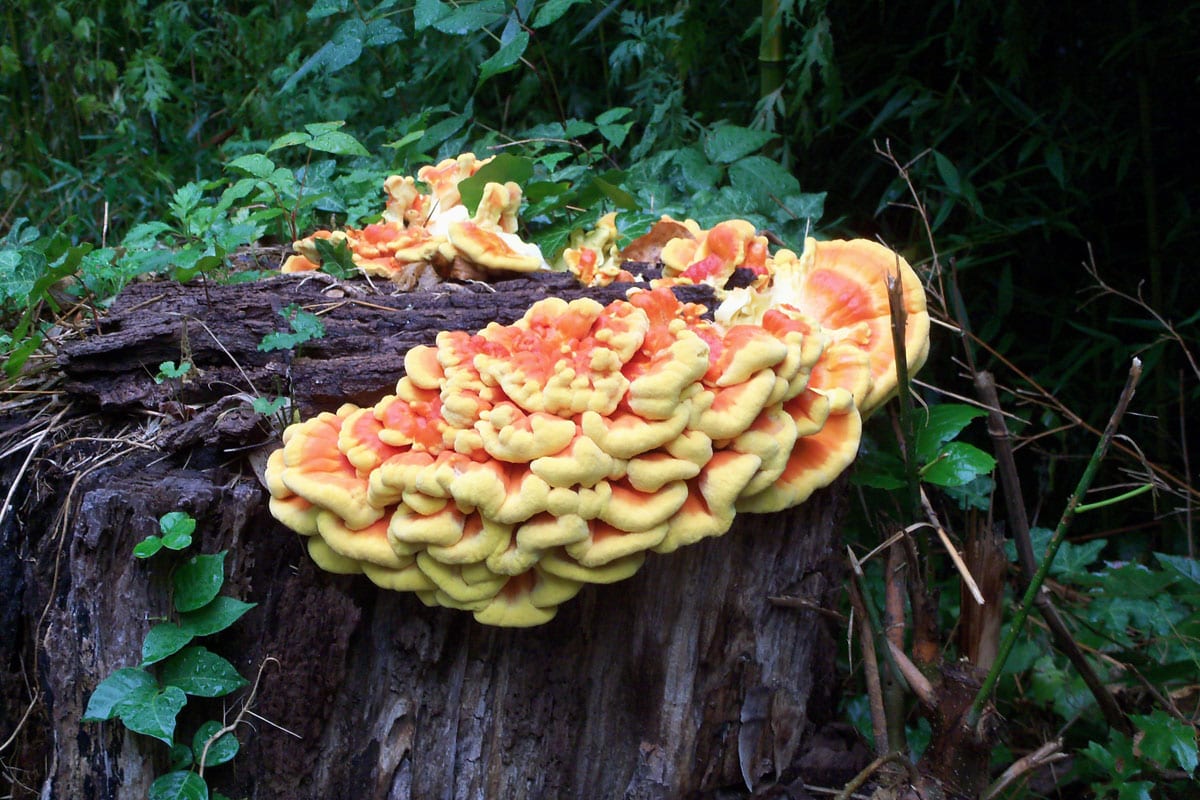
x=176 y=527
x=148 y=701
x=304 y=326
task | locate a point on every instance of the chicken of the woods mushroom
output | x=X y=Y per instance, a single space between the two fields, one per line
x=513 y=465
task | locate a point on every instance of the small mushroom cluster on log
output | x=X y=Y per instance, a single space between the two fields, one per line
x=515 y=464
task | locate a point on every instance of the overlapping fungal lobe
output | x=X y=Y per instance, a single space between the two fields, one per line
x=515 y=464
x=433 y=231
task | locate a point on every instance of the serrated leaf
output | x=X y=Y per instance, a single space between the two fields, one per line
x=268 y=405
x=254 y=164
x=468 y=17
x=200 y=672
x=220 y=751
x=129 y=684
x=763 y=179
x=198 y=580
x=956 y=464
x=289 y=139
x=726 y=144
x=327 y=8
x=940 y=425
x=179 y=785
x=162 y=641
x=338 y=143
x=428 y=12
x=505 y=58
x=155 y=716
x=218 y=615
x=1187 y=567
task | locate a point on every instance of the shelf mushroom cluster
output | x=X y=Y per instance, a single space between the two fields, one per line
x=516 y=464
x=434 y=229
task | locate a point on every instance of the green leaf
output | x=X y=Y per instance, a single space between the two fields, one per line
x=155 y=716
x=1072 y=560
x=181 y=756
x=501 y=169
x=957 y=464
x=343 y=49
x=878 y=469
x=198 y=580
x=428 y=12
x=698 y=172
x=327 y=8
x=256 y=164
x=337 y=143
x=505 y=58
x=268 y=405
x=550 y=11
x=289 y=139
x=764 y=180
x=940 y=425
x=726 y=144
x=463 y=18
x=1187 y=567
x=179 y=785
x=305 y=327
x=177 y=526
x=1167 y=739
x=130 y=684
x=948 y=172
x=147 y=547
x=218 y=615
x=620 y=197
x=201 y=672
x=220 y=751
x=163 y=640
x=336 y=258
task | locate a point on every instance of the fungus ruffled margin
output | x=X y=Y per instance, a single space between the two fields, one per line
x=516 y=464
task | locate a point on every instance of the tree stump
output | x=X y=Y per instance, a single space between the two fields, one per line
x=684 y=681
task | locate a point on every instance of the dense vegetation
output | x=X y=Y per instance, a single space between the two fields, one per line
x=1002 y=147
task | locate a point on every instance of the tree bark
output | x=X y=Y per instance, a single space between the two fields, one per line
x=684 y=681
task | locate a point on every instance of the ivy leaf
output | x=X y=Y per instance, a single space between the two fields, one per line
x=179 y=785
x=942 y=424
x=200 y=672
x=220 y=751
x=199 y=580
x=958 y=463
x=162 y=641
x=177 y=528
x=763 y=179
x=154 y=716
x=148 y=546
x=218 y=615
x=1167 y=740
x=131 y=684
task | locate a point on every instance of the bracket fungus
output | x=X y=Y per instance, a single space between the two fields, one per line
x=517 y=463
x=418 y=230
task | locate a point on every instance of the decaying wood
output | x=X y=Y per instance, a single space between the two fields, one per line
x=682 y=681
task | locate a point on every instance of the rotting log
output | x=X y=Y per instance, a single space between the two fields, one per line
x=684 y=681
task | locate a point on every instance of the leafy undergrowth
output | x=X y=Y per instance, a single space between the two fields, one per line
x=170 y=165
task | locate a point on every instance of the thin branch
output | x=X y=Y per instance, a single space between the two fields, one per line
x=1039 y=577
x=1018 y=521
x=1046 y=754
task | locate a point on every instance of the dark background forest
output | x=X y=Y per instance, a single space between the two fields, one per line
x=1034 y=160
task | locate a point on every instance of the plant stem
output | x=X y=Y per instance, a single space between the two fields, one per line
x=1114 y=500
x=1039 y=577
